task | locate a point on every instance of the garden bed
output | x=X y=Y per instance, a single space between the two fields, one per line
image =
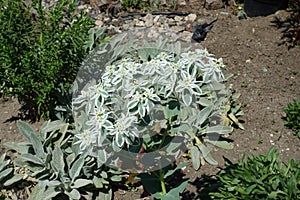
x=267 y=75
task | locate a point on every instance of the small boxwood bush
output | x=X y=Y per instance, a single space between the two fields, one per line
x=259 y=177
x=40 y=52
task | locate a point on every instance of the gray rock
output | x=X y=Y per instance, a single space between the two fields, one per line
x=148 y=20
x=191 y=17
x=178 y=18
x=99 y=23
x=177 y=28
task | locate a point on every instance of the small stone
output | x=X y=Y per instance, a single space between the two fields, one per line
x=191 y=17
x=171 y=22
x=82 y=7
x=161 y=19
x=178 y=18
x=177 y=28
x=264 y=69
x=148 y=20
x=156 y=18
x=99 y=23
x=140 y=23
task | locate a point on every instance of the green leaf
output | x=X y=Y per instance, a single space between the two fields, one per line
x=119 y=139
x=105 y=196
x=206 y=154
x=20 y=147
x=39 y=193
x=31 y=158
x=174 y=193
x=98 y=182
x=58 y=160
x=187 y=97
x=221 y=144
x=116 y=178
x=172 y=109
x=182 y=128
x=74 y=194
x=3 y=164
x=2 y=158
x=204 y=101
x=81 y=183
x=5 y=173
x=37 y=146
x=170 y=172
x=219 y=129
x=25 y=129
x=203 y=114
x=274 y=194
x=217 y=85
x=195 y=155
x=76 y=168
x=52 y=126
x=151 y=183
x=14 y=179
x=102 y=157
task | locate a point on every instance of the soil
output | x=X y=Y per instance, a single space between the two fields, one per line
x=267 y=74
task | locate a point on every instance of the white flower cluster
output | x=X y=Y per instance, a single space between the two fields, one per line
x=131 y=87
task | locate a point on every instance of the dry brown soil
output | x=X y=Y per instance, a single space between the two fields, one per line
x=267 y=75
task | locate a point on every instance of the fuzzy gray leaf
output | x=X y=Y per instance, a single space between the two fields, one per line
x=5 y=173
x=81 y=183
x=25 y=129
x=219 y=129
x=76 y=168
x=195 y=155
x=20 y=147
x=31 y=158
x=206 y=154
x=58 y=160
x=74 y=194
x=203 y=114
x=104 y=196
x=14 y=179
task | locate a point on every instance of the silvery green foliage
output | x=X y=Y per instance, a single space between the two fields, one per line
x=7 y=176
x=53 y=159
x=119 y=109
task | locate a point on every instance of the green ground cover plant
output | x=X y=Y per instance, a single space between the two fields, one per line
x=259 y=177
x=41 y=51
x=292 y=119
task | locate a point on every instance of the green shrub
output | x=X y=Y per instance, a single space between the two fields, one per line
x=259 y=177
x=292 y=119
x=40 y=52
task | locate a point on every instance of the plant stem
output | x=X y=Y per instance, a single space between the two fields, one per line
x=162 y=182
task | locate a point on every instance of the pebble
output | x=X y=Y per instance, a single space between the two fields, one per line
x=148 y=20
x=191 y=17
x=99 y=23
x=176 y=26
